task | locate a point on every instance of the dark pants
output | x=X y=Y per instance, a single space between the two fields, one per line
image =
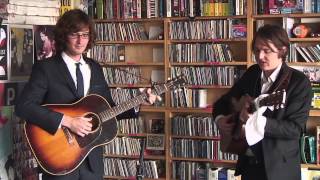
x=253 y=170
x=83 y=172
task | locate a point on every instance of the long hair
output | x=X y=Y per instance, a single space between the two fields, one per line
x=71 y=22
x=276 y=35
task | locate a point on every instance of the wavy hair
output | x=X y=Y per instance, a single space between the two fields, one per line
x=71 y=22
x=275 y=34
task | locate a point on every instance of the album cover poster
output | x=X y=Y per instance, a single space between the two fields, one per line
x=44 y=41
x=22 y=55
x=4 y=54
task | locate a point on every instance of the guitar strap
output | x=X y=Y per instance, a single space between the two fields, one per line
x=283 y=82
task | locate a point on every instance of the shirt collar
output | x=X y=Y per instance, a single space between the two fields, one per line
x=273 y=76
x=69 y=61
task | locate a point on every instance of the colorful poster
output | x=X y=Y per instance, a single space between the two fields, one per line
x=4 y=52
x=21 y=52
x=12 y=92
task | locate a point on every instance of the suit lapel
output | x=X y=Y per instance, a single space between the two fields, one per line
x=284 y=69
x=64 y=71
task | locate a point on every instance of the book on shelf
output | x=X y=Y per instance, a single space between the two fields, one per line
x=121 y=53
x=157 y=76
x=308 y=149
x=157 y=54
x=318 y=144
x=313 y=174
x=286 y=7
x=155 y=33
x=155 y=126
x=315 y=103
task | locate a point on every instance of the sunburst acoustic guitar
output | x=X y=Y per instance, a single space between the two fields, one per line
x=63 y=152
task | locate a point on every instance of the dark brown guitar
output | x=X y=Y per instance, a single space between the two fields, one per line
x=64 y=151
x=236 y=143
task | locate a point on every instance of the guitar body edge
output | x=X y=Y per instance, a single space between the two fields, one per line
x=59 y=155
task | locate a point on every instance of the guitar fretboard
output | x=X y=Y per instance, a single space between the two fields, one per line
x=136 y=101
x=116 y=110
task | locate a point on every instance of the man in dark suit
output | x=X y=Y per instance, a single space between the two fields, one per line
x=57 y=81
x=271 y=135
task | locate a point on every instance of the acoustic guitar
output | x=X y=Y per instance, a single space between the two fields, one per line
x=236 y=142
x=63 y=152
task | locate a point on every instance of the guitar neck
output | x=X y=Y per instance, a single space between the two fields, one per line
x=118 y=109
x=156 y=90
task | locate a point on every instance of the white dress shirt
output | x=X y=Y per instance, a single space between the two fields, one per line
x=84 y=68
x=255 y=125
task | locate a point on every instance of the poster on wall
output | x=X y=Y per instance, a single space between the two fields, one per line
x=44 y=41
x=6 y=162
x=4 y=52
x=21 y=44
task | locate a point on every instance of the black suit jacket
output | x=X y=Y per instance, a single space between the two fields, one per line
x=280 y=146
x=51 y=83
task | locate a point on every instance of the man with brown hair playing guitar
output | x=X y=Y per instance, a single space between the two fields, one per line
x=265 y=131
x=71 y=131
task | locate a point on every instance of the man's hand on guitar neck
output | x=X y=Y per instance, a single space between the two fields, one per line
x=79 y=125
x=151 y=97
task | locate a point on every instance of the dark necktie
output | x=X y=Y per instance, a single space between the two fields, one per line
x=80 y=88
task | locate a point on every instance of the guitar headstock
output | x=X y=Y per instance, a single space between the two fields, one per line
x=276 y=99
x=173 y=84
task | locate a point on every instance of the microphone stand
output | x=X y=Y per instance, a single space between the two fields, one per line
x=140 y=164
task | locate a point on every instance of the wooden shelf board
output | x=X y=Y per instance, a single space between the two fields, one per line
x=191 y=110
x=128 y=85
x=304 y=64
x=128 y=178
x=206 y=18
x=159 y=109
x=203 y=160
x=310 y=166
x=314 y=112
x=296 y=15
x=234 y=63
x=195 y=137
x=304 y=39
x=132 y=64
x=207 y=40
x=151 y=157
x=128 y=20
x=207 y=87
x=130 y=42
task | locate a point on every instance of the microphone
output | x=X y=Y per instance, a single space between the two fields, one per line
x=140 y=164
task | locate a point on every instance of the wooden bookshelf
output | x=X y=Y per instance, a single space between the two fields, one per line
x=139 y=54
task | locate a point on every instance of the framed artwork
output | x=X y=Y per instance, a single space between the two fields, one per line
x=155 y=142
x=44 y=41
x=22 y=51
x=4 y=52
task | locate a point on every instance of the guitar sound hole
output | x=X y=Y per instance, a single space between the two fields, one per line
x=95 y=121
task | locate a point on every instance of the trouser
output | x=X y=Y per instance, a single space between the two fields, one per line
x=253 y=170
